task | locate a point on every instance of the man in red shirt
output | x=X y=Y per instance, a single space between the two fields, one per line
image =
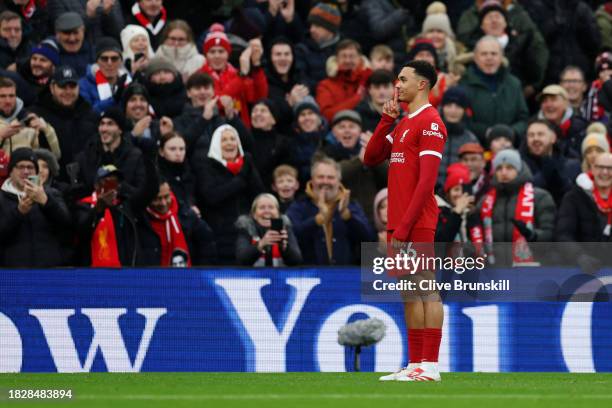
x=414 y=149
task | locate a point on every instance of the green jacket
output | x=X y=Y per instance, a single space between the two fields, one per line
x=506 y=105
x=604 y=22
x=527 y=52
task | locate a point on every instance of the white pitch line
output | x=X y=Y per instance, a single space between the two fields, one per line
x=340 y=396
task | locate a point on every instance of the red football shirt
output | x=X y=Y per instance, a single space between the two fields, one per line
x=422 y=133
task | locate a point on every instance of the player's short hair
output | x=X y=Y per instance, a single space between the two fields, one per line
x=380 y=77
x=424 y=69
x=284 y=170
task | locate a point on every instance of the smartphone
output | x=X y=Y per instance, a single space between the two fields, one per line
x=25 y=122
x=276 y=224
x=138 y=56
x=34 y=180
x=109 y=184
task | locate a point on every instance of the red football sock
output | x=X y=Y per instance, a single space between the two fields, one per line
x=431 y=344
x=415 y=345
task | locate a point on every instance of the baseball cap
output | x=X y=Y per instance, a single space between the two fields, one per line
x=553 y=90
x=107 y=171
x=65 y=75
x=471 y=148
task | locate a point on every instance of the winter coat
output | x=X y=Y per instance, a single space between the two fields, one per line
x=452 y=225
x=181 y=181
x=571 y=32
x=27 y=136
x=504 y=105
x=185 y=59
x=386 y=23
x=579 y=219
x=79 y=60
x=311 y=58
x=278 y=90
x=102 y=24
x=35 y=28
x=223 y=197
x=24 y=70
x=249 y=234
x=75 y=126
x=505 y=206
x=458 y=135
x=270 y=149
x=33 y=240
x=339 y=91
x=198 y=235
x=244 y=90
x=302 y=147
x=347 y=234
x=369 y=116
x=167 y=99
x=127 y=158
x=555 y=174
x=10 y=56
x=603 y=16
x=88 y=89
x=126 y=219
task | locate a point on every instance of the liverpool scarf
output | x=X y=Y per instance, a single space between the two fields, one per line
x=28 y=10
x=524 y=211
x=105 y=90
x=235 y=166
x=144 y=20
x=271 y=257
x=168 y=228
x=104 y=252
x=605 y=206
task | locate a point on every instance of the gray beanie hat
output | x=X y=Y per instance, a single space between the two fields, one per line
x=47 y=156
x=509 y=156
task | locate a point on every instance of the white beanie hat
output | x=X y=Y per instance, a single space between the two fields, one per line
x=127 y=34
x=437 y=19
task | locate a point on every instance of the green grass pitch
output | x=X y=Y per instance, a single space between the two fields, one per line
x=317 y=390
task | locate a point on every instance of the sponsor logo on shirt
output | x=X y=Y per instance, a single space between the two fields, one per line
x=434 y=131
x=397 y=157
x=434 y=126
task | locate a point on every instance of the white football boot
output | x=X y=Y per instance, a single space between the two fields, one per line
x=402 y=372
x=425 y=372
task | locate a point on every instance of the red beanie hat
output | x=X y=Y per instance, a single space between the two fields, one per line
x=217 y=37
x=456 y=174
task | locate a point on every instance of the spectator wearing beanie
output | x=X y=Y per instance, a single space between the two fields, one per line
x=592 y=146
x=600 y=90
x=152 y=16
x=178 y=46
x=379 y=87
x=495 y=94
x=345 y=84
x=107 y=79
x=512 y=217
x=38 y=69
x=456 y=219
x=99 y=21
x=437 y=28
x=144 y=127
x=165 y=87
x=312 y=54
x=111 y=147
x=498 y=138
x=244 y=85
x=423 y=50
x=67 y=112
x=455 y=110
x=555 y=107
x=31 y=217
x=385 y=21
x=310 y=131
x=135 y=41
x=526 y=52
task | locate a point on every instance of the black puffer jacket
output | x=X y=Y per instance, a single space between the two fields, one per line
x=181 y=180
x=269 y=150
x=34 y=239
x=579 y=219
x=75 y=126
x=223 y=197
x=167 y=99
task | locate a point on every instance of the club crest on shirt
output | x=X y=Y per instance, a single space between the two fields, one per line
x=404 y=135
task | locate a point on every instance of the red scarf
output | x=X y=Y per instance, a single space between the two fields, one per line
x=170 y=233
x=524 y=211
x=277 y=258
x=605 y=206
x=28 y=10
x=235 y=166
x=104 y=253
x=144 y=20
x=597 y=110
x=104 y=87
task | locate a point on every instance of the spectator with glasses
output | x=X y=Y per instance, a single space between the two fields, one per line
x=178 y=46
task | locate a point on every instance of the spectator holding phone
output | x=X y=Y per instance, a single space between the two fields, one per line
x=31 y=216
x=19 y=128
x=265 y=238
x=137 y=49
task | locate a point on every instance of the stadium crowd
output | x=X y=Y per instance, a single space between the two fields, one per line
x=179 y=133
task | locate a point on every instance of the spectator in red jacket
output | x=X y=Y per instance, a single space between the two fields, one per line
x=246 y=84
x=345 y=84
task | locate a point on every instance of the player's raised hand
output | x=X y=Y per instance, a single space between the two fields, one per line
x=392 y=107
